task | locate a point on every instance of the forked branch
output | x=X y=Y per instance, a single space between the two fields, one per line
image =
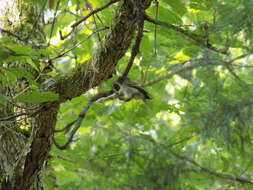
x=77 y=122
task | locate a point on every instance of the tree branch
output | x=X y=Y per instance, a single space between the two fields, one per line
x=198 y=39
x=29 y=42
x=77 y=44
x=217 y=174
x=135 y=50
x=79 y=120
x=94 y=12
x=40 y=147
x=103 y=62
x=180 y=67
x=189 y=65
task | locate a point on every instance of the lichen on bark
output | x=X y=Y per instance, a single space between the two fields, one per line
x=19 y=18
x=68 y=86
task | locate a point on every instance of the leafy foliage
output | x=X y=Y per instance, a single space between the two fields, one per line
x=195 y=133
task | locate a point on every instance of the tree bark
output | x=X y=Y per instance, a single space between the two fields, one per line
x=25 y=20
x=22 y=158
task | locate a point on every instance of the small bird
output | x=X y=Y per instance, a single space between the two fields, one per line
x=126 y=89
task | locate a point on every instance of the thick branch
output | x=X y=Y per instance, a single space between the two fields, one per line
x=82 y=78
x=35 y=159
x=103 y=62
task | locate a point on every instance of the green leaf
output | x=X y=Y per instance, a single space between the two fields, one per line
x=20 y=72
x=5 y=39
x=200 y=4
x=9 y=76
x=146 y=45
x=67 y=176
x=166 y=14
x=22 y=49
x=3 y=99
x=16 y=72
x=5 y=53
x=37 y=97
x=177 y=6
x=22 y=58
x=191 y=50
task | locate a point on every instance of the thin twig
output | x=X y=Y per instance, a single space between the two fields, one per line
x=22 y=107
x=76 y=45
x=36 y=44
x=155 y=33
x=172 y=73
x=240 y=57
x=203 y=169
x=94 y=12
x=62 y=37
x=229 y=65
x=73 y=26
x=94 y=19
x=96 y=26
x=247 y=167
x=74 y=14
x=11 y=117
x=198 y=39
x=232 y=72
x=136 y=46
x=191 y=66
x=79 y=120
x=36 y=20
x=181 y=141
x=217 y=174
x=54 y=19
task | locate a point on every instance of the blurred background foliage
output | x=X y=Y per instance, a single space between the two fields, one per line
x=195 y=133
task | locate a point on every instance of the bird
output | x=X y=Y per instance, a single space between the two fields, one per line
x=126 y=89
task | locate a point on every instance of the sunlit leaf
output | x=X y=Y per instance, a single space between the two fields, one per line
x=37 y=97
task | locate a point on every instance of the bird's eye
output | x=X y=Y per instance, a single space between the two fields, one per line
x=116 y=86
